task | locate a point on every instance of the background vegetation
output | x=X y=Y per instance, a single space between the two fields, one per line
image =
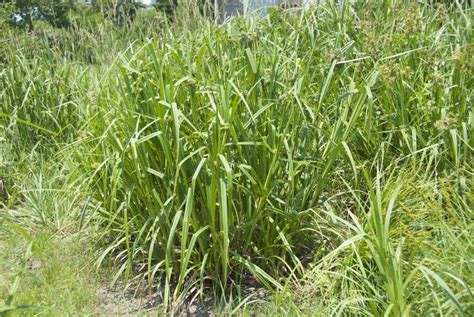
x=318 y=162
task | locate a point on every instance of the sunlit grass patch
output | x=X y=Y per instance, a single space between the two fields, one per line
x=323 y=155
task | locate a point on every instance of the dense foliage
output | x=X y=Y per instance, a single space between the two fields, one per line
x=326 y=154
x=22 y=13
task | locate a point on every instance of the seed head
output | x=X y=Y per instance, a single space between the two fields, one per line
x=445 y=124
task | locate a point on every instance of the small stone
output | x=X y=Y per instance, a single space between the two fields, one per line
x=35 y=265
x=192 y=309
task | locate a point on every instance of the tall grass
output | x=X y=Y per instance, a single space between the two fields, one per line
x=391 y=259
x=222 y=155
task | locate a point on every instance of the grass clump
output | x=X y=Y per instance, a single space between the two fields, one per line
x=219 y=143
x=324 y=154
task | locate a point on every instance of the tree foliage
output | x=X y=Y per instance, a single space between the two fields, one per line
x=24 y=12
